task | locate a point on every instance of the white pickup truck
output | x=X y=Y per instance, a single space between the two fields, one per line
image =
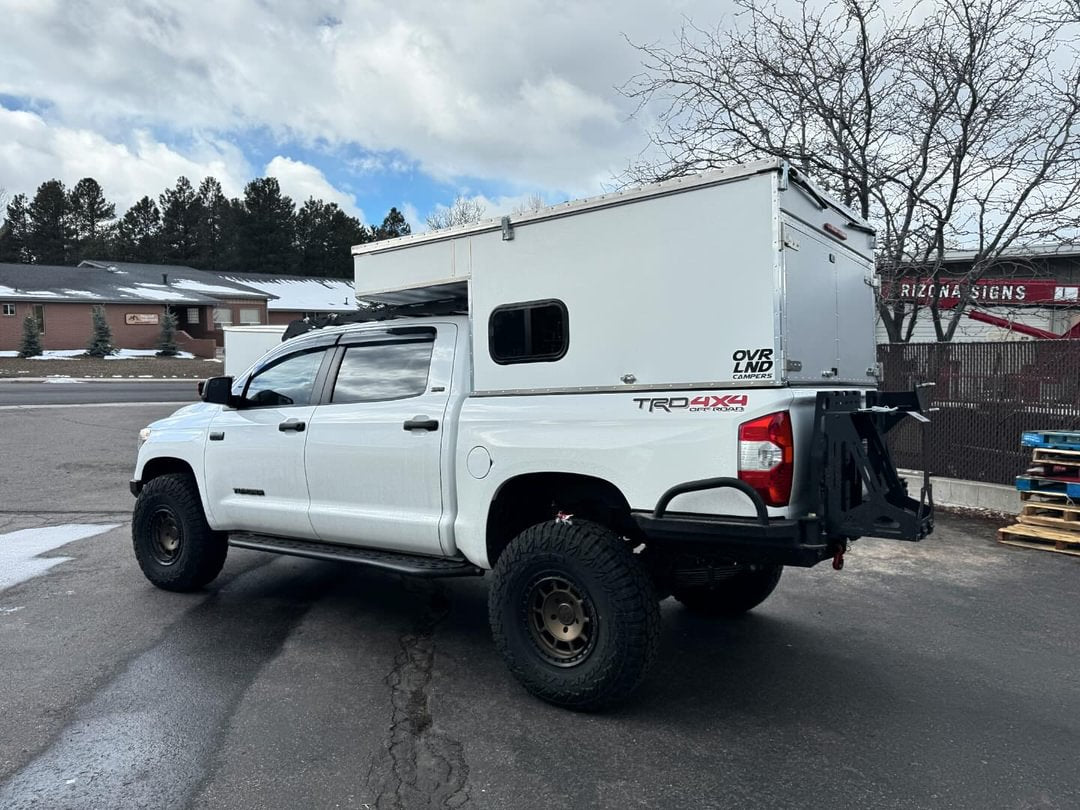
x=598 y=436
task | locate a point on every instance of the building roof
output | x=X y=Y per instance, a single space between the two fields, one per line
x=179 y=277
x=300 y=293
x=1059 y=250
x=119 y=282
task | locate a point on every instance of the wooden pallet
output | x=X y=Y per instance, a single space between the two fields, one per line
x=1034 y=496
x=1033 y=482
x=1040 y=538
x=1058 y=458
x=1059 y=439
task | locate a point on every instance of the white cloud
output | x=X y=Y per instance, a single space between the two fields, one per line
x=302 y=180
x=521 y=93
x=32 y=150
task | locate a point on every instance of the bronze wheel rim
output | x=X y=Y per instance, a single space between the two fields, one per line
x=165 y=536
x=561 y=619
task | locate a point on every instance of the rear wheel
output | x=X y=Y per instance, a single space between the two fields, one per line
x=733 y=595
x=174 y=545
x=574 y=614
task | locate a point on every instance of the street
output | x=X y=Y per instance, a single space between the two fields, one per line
x=939 y=674
x=63 y=391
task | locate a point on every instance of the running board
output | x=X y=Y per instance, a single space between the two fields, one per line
x=416 y=565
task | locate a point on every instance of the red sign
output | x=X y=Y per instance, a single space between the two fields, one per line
x=990 y=292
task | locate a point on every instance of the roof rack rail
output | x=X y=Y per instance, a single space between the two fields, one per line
x=375 y=311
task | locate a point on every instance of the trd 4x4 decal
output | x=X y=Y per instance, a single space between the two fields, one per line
x=697 y=402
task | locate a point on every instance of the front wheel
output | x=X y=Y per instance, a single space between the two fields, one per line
x=174 y=545
x=733 y=595
x=574 y=615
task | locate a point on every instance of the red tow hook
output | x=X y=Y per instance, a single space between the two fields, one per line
x=838 y=559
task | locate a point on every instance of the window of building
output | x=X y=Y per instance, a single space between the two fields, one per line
x=39 y=316
x=375 y=372
x=249 y=316
x=222 y=316
x=192 y=314
x=9 y=309
x=530 y=332
x=288 y=381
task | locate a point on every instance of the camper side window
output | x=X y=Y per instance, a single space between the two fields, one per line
x=529 y=332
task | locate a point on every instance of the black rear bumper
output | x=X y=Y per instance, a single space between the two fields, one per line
x=780 y=541
x=856 y=492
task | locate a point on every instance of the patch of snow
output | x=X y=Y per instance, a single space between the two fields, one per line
x=306 y=295
x=157 y=292
x=81 y=294
x=198 y=286
x=132 y=354
x=19 y=550
x=54 y=379
x=9 y=354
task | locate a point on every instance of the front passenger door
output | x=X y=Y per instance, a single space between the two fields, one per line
x=254 y=457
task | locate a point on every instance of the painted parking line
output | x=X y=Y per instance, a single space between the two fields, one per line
x=19 y=550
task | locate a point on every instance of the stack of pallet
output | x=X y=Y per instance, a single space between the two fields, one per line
x=1049 y=494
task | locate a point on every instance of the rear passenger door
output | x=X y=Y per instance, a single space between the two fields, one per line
x=375 y=448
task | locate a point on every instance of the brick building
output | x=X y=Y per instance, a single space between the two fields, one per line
x=134 y=297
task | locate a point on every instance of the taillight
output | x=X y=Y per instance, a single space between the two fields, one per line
x=767 y=457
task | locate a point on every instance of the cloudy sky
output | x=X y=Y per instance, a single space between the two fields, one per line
x=363 y=103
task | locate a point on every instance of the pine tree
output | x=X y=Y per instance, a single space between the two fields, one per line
x=167 y=339
x=31 y=337
x=101 y=340
x=138 y=234
x=181 y=212
x=324 y=234
x=210 y=235
x=15 y=233
x=90 y=217
x=393 y=225
x=268 y=229
x=49 y=238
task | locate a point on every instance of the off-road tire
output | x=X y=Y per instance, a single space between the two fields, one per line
x=618 y=601
x=197 y=552
x=731 y=597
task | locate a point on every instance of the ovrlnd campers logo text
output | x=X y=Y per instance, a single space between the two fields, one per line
x=752 y=364
x=698 y=402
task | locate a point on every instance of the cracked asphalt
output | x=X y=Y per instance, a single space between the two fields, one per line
x=942 y=674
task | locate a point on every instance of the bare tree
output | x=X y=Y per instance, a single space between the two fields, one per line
x=461 y=212
x=534 y=202
x=950 y=125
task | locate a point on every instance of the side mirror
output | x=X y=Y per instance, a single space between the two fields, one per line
x=218 y=390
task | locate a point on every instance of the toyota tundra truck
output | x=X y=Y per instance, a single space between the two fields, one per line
x=666 y=392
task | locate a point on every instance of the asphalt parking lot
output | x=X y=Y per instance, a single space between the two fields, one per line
x=941 y=674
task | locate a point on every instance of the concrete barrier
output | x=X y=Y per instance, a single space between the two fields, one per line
x=967 y=494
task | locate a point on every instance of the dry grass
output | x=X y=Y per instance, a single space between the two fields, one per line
x=159 y=367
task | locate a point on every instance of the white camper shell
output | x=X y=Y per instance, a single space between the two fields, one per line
x=755 y=279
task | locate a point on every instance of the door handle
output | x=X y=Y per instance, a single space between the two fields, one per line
x=421 y=423
x=292 y=424
x=217 y=435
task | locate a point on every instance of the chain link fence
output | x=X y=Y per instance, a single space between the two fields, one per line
x=987 y=395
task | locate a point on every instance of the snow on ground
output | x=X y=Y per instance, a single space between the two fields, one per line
x=121 y=354
x=19 y=550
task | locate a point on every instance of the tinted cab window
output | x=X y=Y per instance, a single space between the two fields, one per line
x=380 y=371
x=288 y=381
